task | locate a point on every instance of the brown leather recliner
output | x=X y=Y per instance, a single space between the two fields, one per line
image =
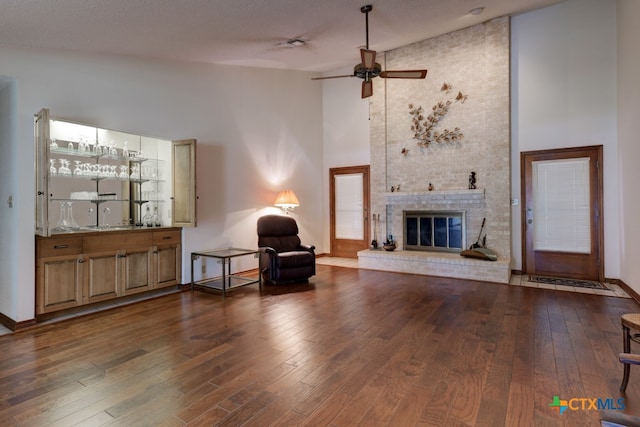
x=282 y=256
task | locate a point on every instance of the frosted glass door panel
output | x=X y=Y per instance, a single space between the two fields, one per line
x=349 y=206
x=561 y=210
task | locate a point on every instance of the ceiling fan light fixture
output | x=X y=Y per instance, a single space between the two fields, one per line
x=369 y=69
x=477 y=11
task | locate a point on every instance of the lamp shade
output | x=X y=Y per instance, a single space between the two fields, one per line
x=287 y=200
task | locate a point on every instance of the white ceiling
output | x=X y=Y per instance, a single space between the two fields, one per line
x=241 y=32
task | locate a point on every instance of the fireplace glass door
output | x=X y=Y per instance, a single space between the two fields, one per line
x=434 y=231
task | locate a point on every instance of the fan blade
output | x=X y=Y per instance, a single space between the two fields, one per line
x=405 y=74
x=368 y=58
x=367 y=88
x=332 y=77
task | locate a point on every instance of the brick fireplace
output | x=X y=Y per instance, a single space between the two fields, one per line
x=406 y=176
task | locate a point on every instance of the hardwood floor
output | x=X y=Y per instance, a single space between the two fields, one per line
x=352 y=347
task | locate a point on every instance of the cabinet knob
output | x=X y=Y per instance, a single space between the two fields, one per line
x=81 y=260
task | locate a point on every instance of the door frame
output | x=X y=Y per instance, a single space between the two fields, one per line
x=597 y=221
x=366 y=202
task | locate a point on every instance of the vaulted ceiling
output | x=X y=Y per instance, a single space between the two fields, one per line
x=241 y=32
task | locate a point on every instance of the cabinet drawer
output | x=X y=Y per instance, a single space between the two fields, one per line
x=58 y=246
x=117 y=241
x=166 y=237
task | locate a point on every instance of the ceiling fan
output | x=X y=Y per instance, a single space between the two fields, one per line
x=369 y=68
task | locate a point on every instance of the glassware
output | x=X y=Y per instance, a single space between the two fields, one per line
x=105 y=217
x=77 y=170
x=155 y=218
x=53 y=144
x=125 y=150
x=64 y=167
x=52 y=168
x=72 y=222
x=62 y=222
x=92 y=222
x=70 y=147
x=146 y=219
x=66 y=221
x=123 y=172
x=113 y=151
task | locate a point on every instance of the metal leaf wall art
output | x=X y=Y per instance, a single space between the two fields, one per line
x=424 y=127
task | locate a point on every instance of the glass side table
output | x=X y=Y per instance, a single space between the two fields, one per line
x=228 y=280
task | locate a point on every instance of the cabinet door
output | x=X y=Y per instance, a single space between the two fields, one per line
x=183 y=195
x=168 y=263
x=103 y=276
x=42 y=166
x=59 y=283
x=137 y=271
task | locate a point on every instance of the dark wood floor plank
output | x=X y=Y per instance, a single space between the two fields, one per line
x=521 y=404
x=351 y=347
x=360 y=405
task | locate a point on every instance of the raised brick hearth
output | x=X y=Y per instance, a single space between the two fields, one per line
x=436 y=264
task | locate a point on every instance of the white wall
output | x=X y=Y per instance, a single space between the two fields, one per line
x=563 y=61
x=345 y=124
x=628 y=139
x=258 y=132
x=8 y=122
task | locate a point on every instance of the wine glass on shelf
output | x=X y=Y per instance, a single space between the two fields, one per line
x=77 y=170
x=113 y=151
x=53 y=144
x=82 y=145
x=64 y=167
x=52 y=167
x=123 y=172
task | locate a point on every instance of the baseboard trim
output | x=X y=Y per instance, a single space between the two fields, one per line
x=14 y=326
x=633 y=294
x=83 y=310
x=7 y=322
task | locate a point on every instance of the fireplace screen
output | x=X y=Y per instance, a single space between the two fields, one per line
x=436 y=231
